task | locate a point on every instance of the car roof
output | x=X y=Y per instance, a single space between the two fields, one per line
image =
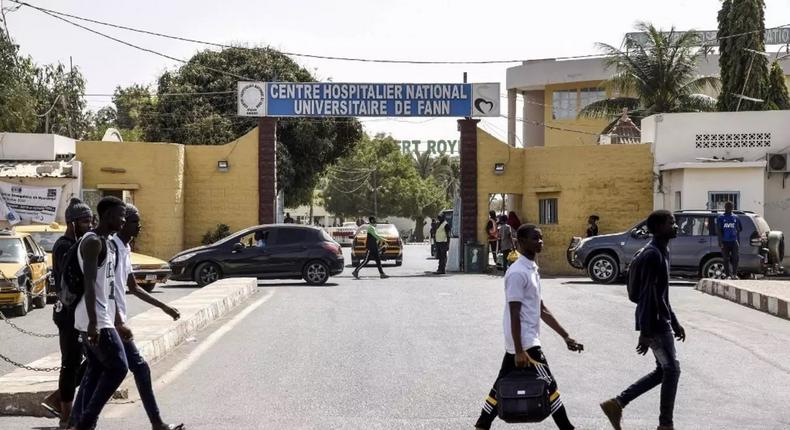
x=11 y=234
x=41 y=228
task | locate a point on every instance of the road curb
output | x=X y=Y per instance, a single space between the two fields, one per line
x=746 y=297
x=156 y=334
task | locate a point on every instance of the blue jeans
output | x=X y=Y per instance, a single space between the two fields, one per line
x=667 y=374
x=142 y=378
x=107 y=367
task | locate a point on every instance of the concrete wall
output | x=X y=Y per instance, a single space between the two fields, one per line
x=214 y=197
x=613 y=181
x=695 y=184
x=34 y=146
x=157 y=171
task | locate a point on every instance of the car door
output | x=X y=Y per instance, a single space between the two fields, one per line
x=693 y=241
x=288 y=249
x=633 y=241
x=37 y=264
x=249 y=259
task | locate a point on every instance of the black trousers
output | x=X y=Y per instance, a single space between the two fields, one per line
x=71 y=363
x=441 y=253
x=374 y=254
x=538 y=360
x=730 y=251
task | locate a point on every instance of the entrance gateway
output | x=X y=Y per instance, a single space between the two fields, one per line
x=271 y=100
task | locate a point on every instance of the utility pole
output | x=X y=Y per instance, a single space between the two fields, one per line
x=376 y=192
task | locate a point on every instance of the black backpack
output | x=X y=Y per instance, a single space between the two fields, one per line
x=523 y=397
x=72 y=279
x=634 y=283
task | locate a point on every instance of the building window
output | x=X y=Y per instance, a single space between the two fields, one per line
x=678 y=201
x=588 y=96
x=717 y=199
x=563 y=104
x=548 y=211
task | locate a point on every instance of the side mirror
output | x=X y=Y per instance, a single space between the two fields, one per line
x=238 y=247
x=640 y=234
x=34 y=259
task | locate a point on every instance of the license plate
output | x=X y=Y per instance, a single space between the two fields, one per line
x=150 y=277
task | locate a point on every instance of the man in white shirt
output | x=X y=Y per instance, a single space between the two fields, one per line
x=523 y=311
x=125 y=278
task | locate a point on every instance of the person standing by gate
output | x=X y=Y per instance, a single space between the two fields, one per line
x=728 y=228
x=442 y=244
x=491 y=231
x=372 y=241
x=505 y=241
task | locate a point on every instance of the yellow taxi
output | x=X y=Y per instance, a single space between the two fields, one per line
x=24 y=273
x=148 y=270
x=394 y=248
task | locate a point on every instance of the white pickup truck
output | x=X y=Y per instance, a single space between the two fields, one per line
x=343 y=235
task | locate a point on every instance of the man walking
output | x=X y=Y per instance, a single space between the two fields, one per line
x=372 y=241
x=78 y=222
x=124 y=277
x=524 y=309
x=442 y=244
x=505 y=241
x=655 y=322
x=96 y=316
x=728 y=229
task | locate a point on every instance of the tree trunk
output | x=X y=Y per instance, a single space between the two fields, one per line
x=419 y=226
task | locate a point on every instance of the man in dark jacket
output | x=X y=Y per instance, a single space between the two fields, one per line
x=656 y=323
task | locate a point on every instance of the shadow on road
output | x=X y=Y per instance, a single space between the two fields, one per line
x=295 y=284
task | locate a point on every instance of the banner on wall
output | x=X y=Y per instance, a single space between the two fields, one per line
x=28 y=204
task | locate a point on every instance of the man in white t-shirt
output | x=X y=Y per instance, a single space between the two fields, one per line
x=524 y=309
x=125 y=278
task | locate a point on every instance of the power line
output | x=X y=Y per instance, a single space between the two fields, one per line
x=199 y=93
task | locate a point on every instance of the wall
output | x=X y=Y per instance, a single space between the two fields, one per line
x=157 y=171
x=34 y=146
x=214 y=197
x=612 y=181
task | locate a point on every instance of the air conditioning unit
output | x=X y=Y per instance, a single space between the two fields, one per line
x=777 y=163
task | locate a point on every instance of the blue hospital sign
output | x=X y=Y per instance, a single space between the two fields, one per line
x=329 y=99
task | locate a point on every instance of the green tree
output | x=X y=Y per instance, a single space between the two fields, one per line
x=377 y=179
x=132 y=104
x=59 y=94
x=777 y=97
x=305 y=146
x=654 y=75
x=17 y=106
x=741 y=40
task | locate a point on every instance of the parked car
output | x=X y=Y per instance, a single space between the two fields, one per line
x=148 y=271
x=393 y=251
x=343 y=235
x=695 y=252
x=277 y=251
x=24 y=275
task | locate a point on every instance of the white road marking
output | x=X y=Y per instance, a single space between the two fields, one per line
x=121 y=410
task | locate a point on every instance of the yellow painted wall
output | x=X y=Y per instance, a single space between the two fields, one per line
x=570 y=134
x=214 y=197
x=613 y=181
x=158 y=169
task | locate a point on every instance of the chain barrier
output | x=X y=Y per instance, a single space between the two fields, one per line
x=27 y=332
x=34 y=369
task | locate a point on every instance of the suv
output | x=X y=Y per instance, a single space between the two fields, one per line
x=695 y=252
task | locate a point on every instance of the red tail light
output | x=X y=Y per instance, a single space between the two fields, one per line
x=333 y=247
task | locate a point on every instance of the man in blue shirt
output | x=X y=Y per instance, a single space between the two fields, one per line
x=728 y=228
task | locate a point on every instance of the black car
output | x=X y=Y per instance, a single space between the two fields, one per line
x=281 y=251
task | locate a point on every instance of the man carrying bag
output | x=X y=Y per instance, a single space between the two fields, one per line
x=524 y=366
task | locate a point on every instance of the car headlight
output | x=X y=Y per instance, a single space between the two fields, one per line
x=135 y=267
x=164 y=267
x=8 y=283
x=182 y=258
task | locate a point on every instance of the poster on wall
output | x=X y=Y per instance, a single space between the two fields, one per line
x=29 y=204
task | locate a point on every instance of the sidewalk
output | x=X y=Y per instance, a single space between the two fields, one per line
x=155 y=333
x=768 y=296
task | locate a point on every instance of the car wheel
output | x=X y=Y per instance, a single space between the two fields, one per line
x=399 y=262
x=149 y=287
x=24 y=308
x=207 y=273
x=315 y=273
x=40 y=302
x=603 y=268
x=714 y=268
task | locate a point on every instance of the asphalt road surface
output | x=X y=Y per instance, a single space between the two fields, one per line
x=420 y=352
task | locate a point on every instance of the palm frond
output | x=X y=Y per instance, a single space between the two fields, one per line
x=609 y=107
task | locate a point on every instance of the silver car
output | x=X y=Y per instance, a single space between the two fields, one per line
x=694 y=253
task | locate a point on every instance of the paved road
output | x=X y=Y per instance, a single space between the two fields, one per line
x=421 y=352
x=24 y=348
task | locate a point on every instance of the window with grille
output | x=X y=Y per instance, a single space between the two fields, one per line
x=717 y=199
x=548 y=211
x=733 y=140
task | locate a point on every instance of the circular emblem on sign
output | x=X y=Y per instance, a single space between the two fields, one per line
x=252 y=96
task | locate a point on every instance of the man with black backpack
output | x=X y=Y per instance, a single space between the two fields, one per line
x=96 y=315
x=524 y=310
x=79 y=218
x=648 y=287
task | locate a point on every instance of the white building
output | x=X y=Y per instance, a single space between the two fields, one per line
x=705 y=159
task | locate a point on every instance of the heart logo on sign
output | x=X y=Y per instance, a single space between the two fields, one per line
x=483 y=105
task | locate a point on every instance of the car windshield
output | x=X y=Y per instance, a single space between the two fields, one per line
x=12 y=251
x=762 y=225
x=46 y=239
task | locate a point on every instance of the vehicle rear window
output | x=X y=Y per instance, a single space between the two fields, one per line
x=287 y=236
x=325 y=236
x=762 y=224
x=383 y=229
